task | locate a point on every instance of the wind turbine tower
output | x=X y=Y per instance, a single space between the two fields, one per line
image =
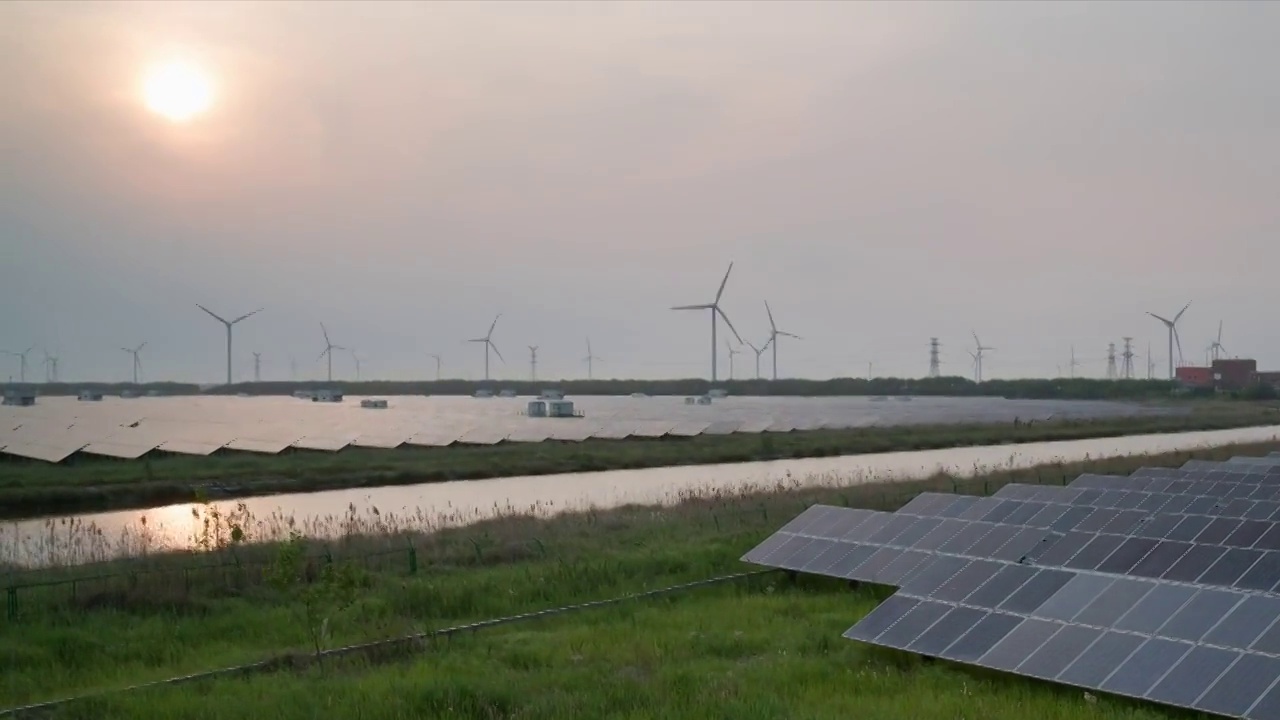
x=228 y=324
x=437 y=359
x=533 y=363
x=488 y=343
x=1126 y=370
x=1111 y=361
x=22 y=362
x=758 y=351
x=977 y=354
x=137 y=360
x=50 y=367
x=935 y=358
x=329 y=347
x=356 y=358
x=257 y=367
x=774 y=334
x=1073 y=363
x=1173 y=335
x=590 y=361
x=714 y=307
x=1216 y=351
x=732 y=353
x=1151 y=363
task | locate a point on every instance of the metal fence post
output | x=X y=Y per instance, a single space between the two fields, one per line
x=12 y=603
x=413 y=560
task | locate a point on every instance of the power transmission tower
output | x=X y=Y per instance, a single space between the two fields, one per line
x=1127 y=367
x=1111 y=361
x=533 y=363
x=257 y=367
x=935 y=363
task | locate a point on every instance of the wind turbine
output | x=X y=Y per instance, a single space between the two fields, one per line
x=356 y=358
x=488 y=343
x=977 y=354
x=774 y=333
x=437 y=359
x=329 y=347
x=1216 y=351
x=1173 y=335
x=22 y=362
x=714 y=307
x=533 y=363
x=257 y=367
x=759 y=351
x=228 y=323
x=732 y=352
x=590 y=361
x=137 y=361
x=50 y=367
x=1074 y=363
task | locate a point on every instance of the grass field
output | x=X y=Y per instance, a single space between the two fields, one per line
x=87 y=484
x=754 y=649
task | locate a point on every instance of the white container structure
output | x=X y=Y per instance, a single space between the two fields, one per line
x=551 y=409
x=21 y=398
x=373 y=404
x=89 y=396
x=327 y=395
x=551 y=394
x=507 y=394
x=536 y=408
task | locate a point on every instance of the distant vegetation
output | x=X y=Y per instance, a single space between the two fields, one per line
x=1040 y=389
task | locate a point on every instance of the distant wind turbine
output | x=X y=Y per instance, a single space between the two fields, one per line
x=977 y=354
x=1073 y=364
x=759 y=351
x=257 y=367
x=732 y=353
x=774 y=334
x=228 y=324
x=22 y=362
x=714 y=307
x=590 y=361
x=437 y=359
x=50 y=367
x=356 y=358
x=329 y=347
x=533 y=363
x=1216 y=350
x=1172 y=325
x=137 y=360
x=488 y=343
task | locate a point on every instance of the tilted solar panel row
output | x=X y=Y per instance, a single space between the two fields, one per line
x=1177 y=486
x=830 y=535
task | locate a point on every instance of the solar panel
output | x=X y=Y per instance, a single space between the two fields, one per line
x=1182 y=611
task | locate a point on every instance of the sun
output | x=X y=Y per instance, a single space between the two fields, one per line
x=178 y=91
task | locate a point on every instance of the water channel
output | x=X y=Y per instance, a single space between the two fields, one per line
x=100 y=536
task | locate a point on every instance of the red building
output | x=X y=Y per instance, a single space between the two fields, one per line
x=1225 y=375
x=1199 y=377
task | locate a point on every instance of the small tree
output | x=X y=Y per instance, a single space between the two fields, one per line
x=323 y=591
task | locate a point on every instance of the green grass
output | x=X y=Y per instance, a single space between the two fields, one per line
x=676 y=657
x=87 y=484
x=761 y=651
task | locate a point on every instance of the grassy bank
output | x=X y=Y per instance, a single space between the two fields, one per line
x=758 y=649
x=88 y=484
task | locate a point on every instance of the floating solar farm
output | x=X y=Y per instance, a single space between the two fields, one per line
x=1163 y=586
x=57 y=428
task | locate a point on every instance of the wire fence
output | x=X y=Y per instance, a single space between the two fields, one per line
x=30 y=594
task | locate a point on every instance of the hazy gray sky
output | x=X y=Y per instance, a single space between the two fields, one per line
x=881 y=173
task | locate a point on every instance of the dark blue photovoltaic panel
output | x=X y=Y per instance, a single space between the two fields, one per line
x=1163 y=585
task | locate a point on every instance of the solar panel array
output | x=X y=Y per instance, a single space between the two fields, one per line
x=56 y=428
x=1164 y=585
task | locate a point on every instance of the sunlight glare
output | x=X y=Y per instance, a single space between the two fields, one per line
x=178 y=91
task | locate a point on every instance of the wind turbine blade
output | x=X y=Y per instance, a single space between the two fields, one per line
x=724 y=282
x=772 y=327
x=211 y=313
x=1178 y=342
x=693 y=307
x=247 y=315
x=976 y=342
x=124 y=349
x=1219 y=334
x=325 y=330
x=588 y=347
x=790 y=335
x=140 y=347
x=496 y=351
x=729 y=323
x=1166 y=321
x=493 y=325
x=323 y=353
x=1221 y=349
x=1179 y=315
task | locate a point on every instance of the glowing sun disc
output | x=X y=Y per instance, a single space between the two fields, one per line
x=178 y=91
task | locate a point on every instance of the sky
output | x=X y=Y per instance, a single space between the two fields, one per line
x=1042 y=174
